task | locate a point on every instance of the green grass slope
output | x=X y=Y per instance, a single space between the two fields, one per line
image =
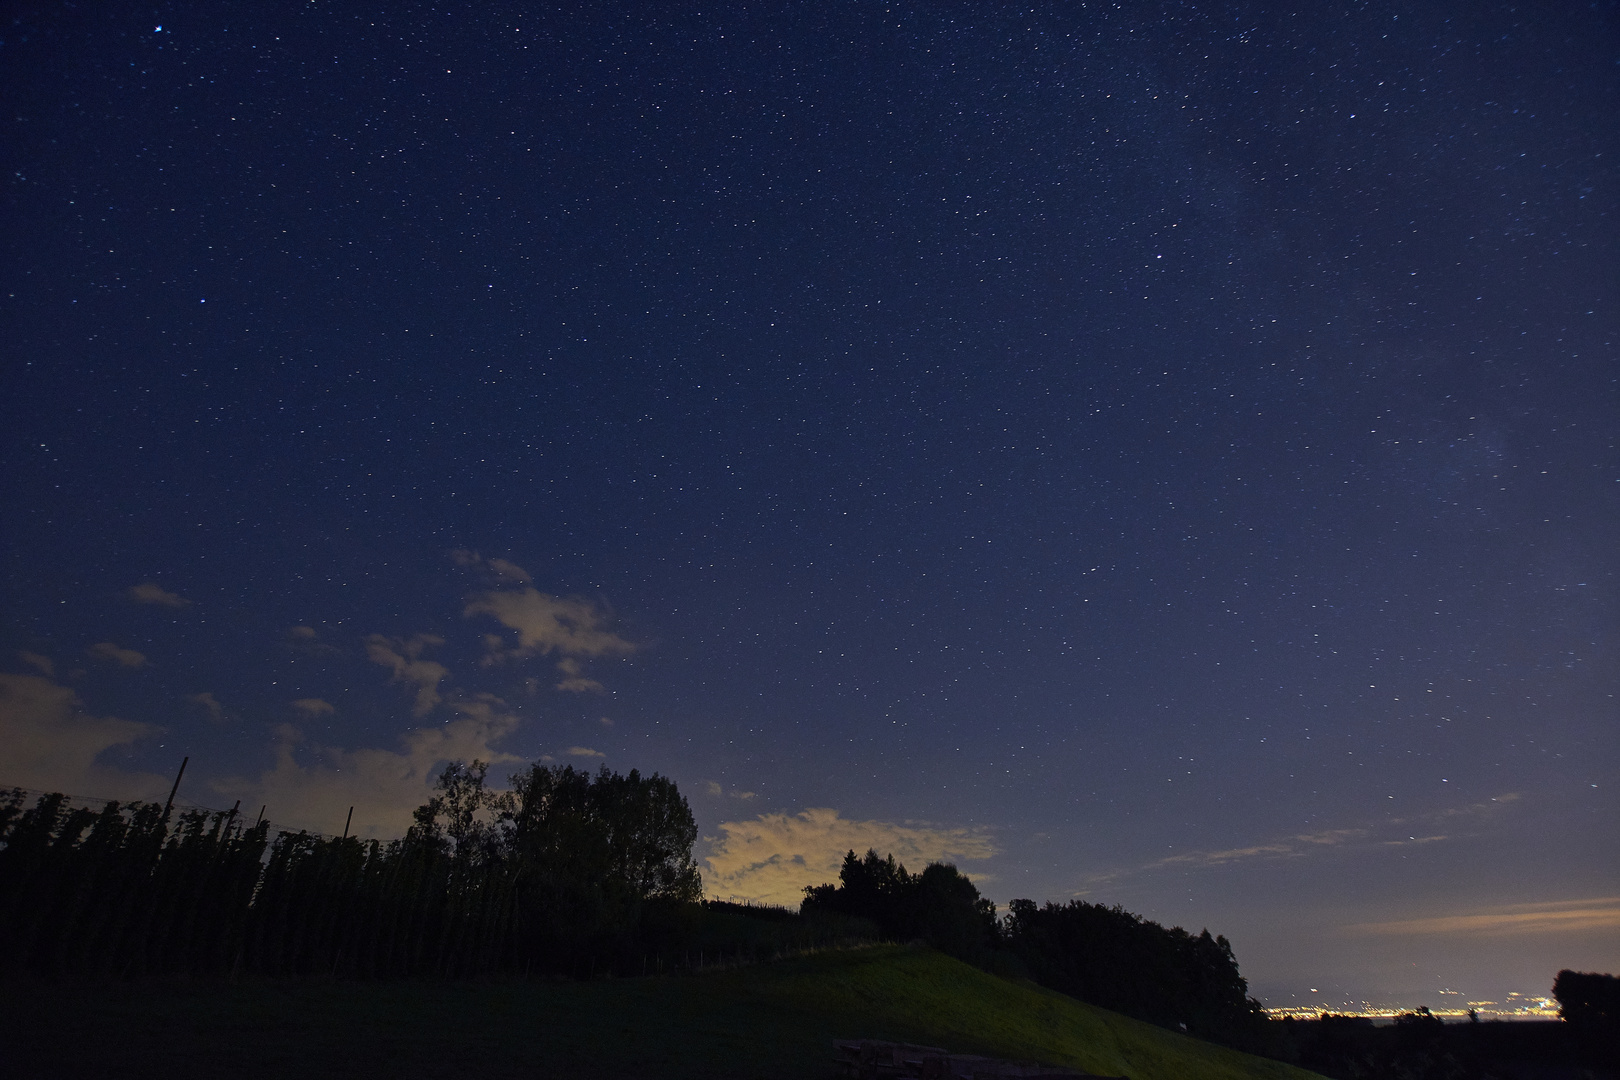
x=771 y=1021
x=923 y=996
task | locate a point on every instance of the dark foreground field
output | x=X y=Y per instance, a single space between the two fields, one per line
x=771 y=1020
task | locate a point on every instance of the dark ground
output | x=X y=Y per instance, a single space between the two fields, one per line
x=762 y=1022
x=1349 y=1048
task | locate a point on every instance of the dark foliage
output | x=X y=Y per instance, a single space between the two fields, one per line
x=1120 y=961
x=1105 y=956
x=1351 y=1047
x=122 y=890
x=569 y=873
x=1590 y=1004
x=939 y=905
x=1419 y=1046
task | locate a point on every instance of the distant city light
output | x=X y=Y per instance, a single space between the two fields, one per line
x=1518 y=1007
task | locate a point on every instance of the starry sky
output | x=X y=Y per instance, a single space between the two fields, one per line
x=1161 y=454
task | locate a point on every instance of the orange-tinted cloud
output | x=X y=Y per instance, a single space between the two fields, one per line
x=1551 y=917
x=312 y=786
x=770 y=859
x=48 y=742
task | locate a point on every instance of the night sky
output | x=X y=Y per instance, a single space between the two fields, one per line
x=1160 y=454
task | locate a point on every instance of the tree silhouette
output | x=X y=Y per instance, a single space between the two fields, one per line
x=1120 y=961
x=939 y=905
x=567 y=873
x=1590 y=1004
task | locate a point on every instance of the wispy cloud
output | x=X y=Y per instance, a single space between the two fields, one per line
x=307 y=640
x=502 y=569
x=210 y=705
x=771 y=858
x=313 y=706
x=106 y=650
x=1550 y=917
x=1286 y=847
x=713 y=788
x=150 y=592
x=1485 y=808
x=37 y=660
x=545 y=624
x=575 y=682
x=1393 y=832
x=571 y=627
x=584 y=751
x=50 y=743
x=404 y=656
x=510 y=571
x=312 y=786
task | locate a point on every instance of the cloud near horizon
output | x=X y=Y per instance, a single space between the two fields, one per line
x=1552 y=917
x=48 y=742
x=1304 y=844
x=770 y=859
x=311 y=786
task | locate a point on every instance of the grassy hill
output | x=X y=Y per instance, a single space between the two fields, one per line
x=766 y=1021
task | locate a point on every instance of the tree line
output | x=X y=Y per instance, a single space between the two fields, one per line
x=1102 y=955
x=1420 y=1046
x=567 y=873
x=579 y=874
x=1111 y=958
